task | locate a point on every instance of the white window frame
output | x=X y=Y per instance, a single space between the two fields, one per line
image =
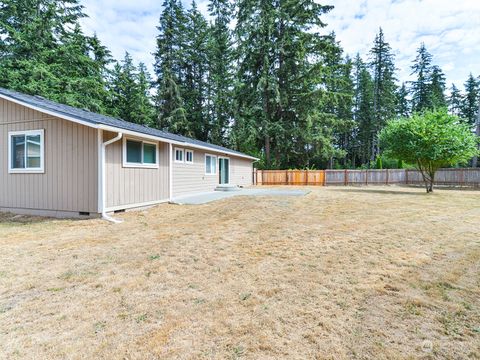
x=216 y=164
x=185 y=154
x=175 y=155
x=142 y=165
x=41 y=169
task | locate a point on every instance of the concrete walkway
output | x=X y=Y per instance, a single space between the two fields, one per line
x=218 y=195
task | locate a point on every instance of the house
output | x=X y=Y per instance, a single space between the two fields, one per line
x=57 y=160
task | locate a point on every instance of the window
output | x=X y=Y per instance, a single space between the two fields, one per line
x=139 y=154
x=210 y=165
x=178 y=155
x=26 y=152
x=189 y=156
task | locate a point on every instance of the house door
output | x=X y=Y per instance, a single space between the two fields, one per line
x=224 y=170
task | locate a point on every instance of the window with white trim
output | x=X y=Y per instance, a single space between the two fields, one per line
x=210 y=164
x=137 y=153
x=189 y=156
x=26 y=151
x=179 y=155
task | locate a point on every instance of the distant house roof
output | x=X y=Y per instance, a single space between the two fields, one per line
x=106 y=122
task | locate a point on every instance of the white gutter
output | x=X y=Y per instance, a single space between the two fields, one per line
x=101 y=175
x=170 y=173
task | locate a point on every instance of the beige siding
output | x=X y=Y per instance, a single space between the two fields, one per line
x=126 y=186
x=191 y=178
x=241 y=171
x=69 y=183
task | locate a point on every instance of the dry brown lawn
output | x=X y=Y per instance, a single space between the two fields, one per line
x=342 y=273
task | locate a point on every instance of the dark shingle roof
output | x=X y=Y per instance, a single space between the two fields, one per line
x=98 y=119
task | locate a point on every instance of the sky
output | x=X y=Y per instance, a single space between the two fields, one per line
x=449 y=29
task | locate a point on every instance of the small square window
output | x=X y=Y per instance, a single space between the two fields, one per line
x=179 y=155
x=26 y=151
x=189 y=156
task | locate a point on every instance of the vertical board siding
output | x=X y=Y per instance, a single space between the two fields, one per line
x=191 y=178
x=69 y=182
x=129 y=186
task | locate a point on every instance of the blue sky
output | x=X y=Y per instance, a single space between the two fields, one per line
x=450 y=29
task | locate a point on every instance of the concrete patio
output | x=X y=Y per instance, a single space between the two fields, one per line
x=207 y=197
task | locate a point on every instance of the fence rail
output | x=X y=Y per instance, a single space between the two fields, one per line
x=451 y=177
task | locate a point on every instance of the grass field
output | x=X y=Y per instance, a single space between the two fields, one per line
x=342 y=273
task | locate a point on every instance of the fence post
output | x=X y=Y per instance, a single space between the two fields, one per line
x=406 y=176
x=287 y=182
x=345 y=175
x=366 y=177
x=306 y=177
x=387 y=175
x=324 y=177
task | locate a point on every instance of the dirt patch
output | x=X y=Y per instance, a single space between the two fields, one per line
x=383 y=272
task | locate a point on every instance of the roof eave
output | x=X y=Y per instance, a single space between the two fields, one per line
x=117 y=129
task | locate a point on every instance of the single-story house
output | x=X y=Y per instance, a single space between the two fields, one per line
x=57 y=160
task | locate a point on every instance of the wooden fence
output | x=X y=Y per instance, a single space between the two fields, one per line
x=449 y=177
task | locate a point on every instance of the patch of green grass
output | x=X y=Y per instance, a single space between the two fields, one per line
x=99 y=326
x=141 y=318
x=154 y=257
x=56 y=289
x=245 y=296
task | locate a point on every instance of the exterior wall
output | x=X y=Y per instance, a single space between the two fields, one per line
x=127 y=186
x=69 y=183
x=191 y=178
x=241 y=172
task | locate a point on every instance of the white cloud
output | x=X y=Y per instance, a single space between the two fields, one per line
x=449 y=29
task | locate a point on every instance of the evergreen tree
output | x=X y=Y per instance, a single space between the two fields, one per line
x=281 y=82
x=44 y=52
x=168 y=67
x=130 y=92
x=403 y=106
x=420 y=89
x=363 y=111
x=471 y=100
x=194 y=87
x=220 y=58
x=437 y=89
x=455 y=101
x=384 y=88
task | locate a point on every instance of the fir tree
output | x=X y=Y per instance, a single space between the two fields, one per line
x=455 y=101
x=220 y=58
x=403 y=106
x=384 y=88
x=168 y=69
x=437 y=89
x=420 y=89
x=471 y=99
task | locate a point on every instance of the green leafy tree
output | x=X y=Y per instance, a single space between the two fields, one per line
x=431 y=140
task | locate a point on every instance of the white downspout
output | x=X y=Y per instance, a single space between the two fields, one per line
x=170 y=173
x=101 y=175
